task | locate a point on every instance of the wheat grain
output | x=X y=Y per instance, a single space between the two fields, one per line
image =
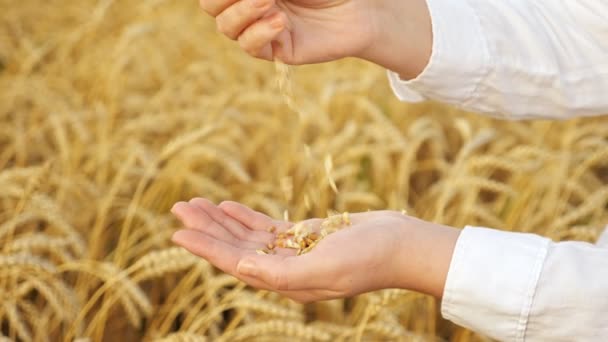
x=95 y=153
x=284 y=84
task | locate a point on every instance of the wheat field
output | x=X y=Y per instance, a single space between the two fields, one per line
x=111 y=111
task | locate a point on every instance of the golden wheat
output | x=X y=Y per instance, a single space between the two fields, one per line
x=112 y=111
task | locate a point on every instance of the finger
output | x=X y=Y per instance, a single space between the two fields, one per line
x=194 y=218
x=234 y=226
x=226 y=257
x=237 y=17
x=251 y=218
x=256 y=39
x=202 y=222
x=282 y=48
x=296 y=273
x=215 y=7
x=221 y=254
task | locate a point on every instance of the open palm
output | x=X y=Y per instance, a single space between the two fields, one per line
x=354 y=260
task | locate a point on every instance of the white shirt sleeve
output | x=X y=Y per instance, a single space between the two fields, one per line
x=521 y=59
x=516 y=59
x=523 y=287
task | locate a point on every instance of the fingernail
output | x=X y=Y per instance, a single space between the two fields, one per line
x=248 y=268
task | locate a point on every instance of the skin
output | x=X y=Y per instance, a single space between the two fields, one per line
x=398 y=250
x=394 y=34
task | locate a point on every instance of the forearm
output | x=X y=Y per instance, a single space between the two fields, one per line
x=403 y=37
x=424 y=256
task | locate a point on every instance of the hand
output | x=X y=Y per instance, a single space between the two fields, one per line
x=381 y=249
x=393 y=33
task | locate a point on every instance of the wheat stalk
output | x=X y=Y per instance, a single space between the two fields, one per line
x=112 y=111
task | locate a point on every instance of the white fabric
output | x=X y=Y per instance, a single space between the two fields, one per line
x=516 y=59
x=603 y=240
x=523 y=287
x=521 y=59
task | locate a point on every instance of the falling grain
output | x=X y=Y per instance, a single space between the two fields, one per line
x=112 y=111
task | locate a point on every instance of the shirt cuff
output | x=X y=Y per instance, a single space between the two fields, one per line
x=459 y=59
x=492 y=281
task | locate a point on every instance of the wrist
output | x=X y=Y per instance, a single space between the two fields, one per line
x=423 y=261
x=402 y=37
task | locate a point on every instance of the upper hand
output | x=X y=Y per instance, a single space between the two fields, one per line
x=297 y=31
x=395 y=34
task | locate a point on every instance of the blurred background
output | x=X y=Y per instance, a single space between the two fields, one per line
x=111 y=111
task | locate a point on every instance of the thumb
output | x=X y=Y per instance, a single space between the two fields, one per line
x=282 y=48
x=282 y=45
x=283 y=273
